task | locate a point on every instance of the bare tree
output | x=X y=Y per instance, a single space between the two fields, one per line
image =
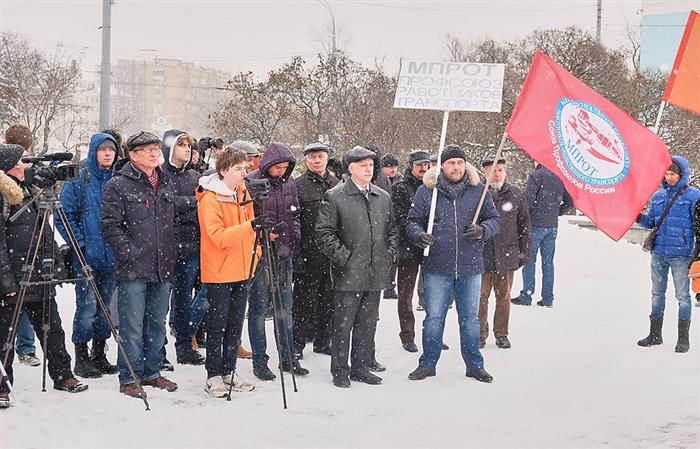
x=45 y=85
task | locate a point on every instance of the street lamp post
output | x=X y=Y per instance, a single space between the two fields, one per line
x=330 y=11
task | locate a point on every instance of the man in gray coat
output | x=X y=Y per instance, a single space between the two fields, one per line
x=355 y=231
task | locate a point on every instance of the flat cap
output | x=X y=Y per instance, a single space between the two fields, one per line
x=418 y=157
x=248 y=148
x=490 y=159
x=317 y=146
x=390 y=161
x=358 y=154
x=141 y=139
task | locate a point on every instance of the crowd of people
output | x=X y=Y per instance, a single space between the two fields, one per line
x=175 y=226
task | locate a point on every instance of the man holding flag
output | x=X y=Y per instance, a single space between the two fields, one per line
x=455 y=262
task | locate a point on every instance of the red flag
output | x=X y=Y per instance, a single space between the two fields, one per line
x=609 y=162
x=682 y=87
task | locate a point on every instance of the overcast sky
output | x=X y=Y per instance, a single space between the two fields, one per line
x=261 y=35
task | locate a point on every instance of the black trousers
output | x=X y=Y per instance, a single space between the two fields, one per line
x=58 y=359
x=224 y=326
x=312 y=308
x=354 y=313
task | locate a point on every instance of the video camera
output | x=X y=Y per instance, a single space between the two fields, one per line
x=50 y=169
x=206 y=143
x=258 y=188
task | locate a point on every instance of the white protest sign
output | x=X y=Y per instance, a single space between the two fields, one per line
x=450 y=86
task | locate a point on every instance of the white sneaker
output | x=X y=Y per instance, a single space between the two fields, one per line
x=216 y=388
x=239 y=385
x=29 y=359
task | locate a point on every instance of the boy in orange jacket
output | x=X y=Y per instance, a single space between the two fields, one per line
x=228 y=236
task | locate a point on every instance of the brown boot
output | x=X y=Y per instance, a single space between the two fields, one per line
x=243 y=353
x=195 y=346
x=133 y=390
x=71 y=385
x=161 y=382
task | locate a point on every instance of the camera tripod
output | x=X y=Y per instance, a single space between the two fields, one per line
x=282 y=341
x=42 y=234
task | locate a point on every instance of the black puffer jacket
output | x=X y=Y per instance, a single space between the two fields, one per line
x=402 y=194
x=18 y=236
x=184 y=181
x=358 y=236
x=138 y=225
x=510 y=248
x=310 y=189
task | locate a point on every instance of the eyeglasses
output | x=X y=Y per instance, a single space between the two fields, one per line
x=147 y=150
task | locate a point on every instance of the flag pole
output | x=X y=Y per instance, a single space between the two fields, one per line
x=658 y=118
x=489 y=176
x=433 y=201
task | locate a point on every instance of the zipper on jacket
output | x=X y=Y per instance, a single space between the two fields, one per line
x=454 y=204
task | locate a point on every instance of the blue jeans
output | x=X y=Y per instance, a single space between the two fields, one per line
x=438 y=289
x=184 y=278
x=143 y=307
x=659 y=281
x=543 y=240
x=24 y=343
x=89 y=322
x=257 y=307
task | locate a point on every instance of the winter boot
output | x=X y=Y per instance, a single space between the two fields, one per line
x=99 y=359
x=683 y=344
x=71 y=385
x=654 y=337
x=296 y=366
x=4 y=399
x=83 y=364
x=262 y=372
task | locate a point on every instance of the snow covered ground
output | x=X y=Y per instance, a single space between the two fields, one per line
x=575 y=378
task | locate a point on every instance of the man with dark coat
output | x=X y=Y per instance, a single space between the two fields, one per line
x=505 y=252
x=313 y=295
x=138 y=212
x=390 y=167
x=39 y=302
x=410 y=255
x=82 y=203
x=455 y=262
x=281 y=206
x=547 y=199
x=177 y=155
x=355 y=231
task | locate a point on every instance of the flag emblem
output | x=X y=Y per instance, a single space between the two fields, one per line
x=590 y=144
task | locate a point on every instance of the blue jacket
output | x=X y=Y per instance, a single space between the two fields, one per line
x=675 y=237
x=547 y=198
x=453 y=254
x=86 y=225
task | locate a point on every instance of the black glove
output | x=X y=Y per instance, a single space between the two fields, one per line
x=425 y=240
x=262 y=222
x=474 y=231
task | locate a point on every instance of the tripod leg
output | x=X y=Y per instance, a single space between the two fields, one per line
x=283 y=324
x=90 y=279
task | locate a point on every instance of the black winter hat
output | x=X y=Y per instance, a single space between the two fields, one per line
x=10 y=154
x=490 y=159
x=453 y=152
x=390 y=161
x=675 y=168
x=358 y=154
x=316 y=147
x=418 y=157
x=141 y=139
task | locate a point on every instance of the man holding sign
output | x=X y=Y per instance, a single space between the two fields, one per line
x=455 y=263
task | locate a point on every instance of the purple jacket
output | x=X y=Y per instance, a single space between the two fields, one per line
x=283 y=203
